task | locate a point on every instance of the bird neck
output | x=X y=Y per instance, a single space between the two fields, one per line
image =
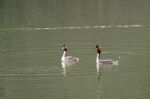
x=97 y=57
x=64 y=54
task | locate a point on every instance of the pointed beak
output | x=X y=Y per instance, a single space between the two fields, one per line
x=63 y=47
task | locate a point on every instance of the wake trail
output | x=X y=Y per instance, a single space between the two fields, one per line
x=74 y=27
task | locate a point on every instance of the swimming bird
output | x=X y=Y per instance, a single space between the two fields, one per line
x=65 y=58
x=104 y=61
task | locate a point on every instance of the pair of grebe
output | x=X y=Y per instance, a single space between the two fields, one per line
x=65 y=58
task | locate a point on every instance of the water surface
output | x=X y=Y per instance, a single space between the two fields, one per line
x=32 y=33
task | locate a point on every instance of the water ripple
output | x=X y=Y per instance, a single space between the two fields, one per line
x=74 y=27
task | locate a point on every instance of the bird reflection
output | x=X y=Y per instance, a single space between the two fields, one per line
x=99 y=89
x=65 y=66
x=98 y=71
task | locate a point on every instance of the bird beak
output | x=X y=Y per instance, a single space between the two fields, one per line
x=62 y=47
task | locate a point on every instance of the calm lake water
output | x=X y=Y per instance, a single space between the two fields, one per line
x=33 y=31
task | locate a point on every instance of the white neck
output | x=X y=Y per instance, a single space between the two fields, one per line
x=97 y=58
x=63 y=56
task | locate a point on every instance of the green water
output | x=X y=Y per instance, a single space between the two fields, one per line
x=33 y=31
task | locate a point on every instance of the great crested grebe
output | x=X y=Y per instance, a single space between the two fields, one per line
x=104 y=61
x=65 y=58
